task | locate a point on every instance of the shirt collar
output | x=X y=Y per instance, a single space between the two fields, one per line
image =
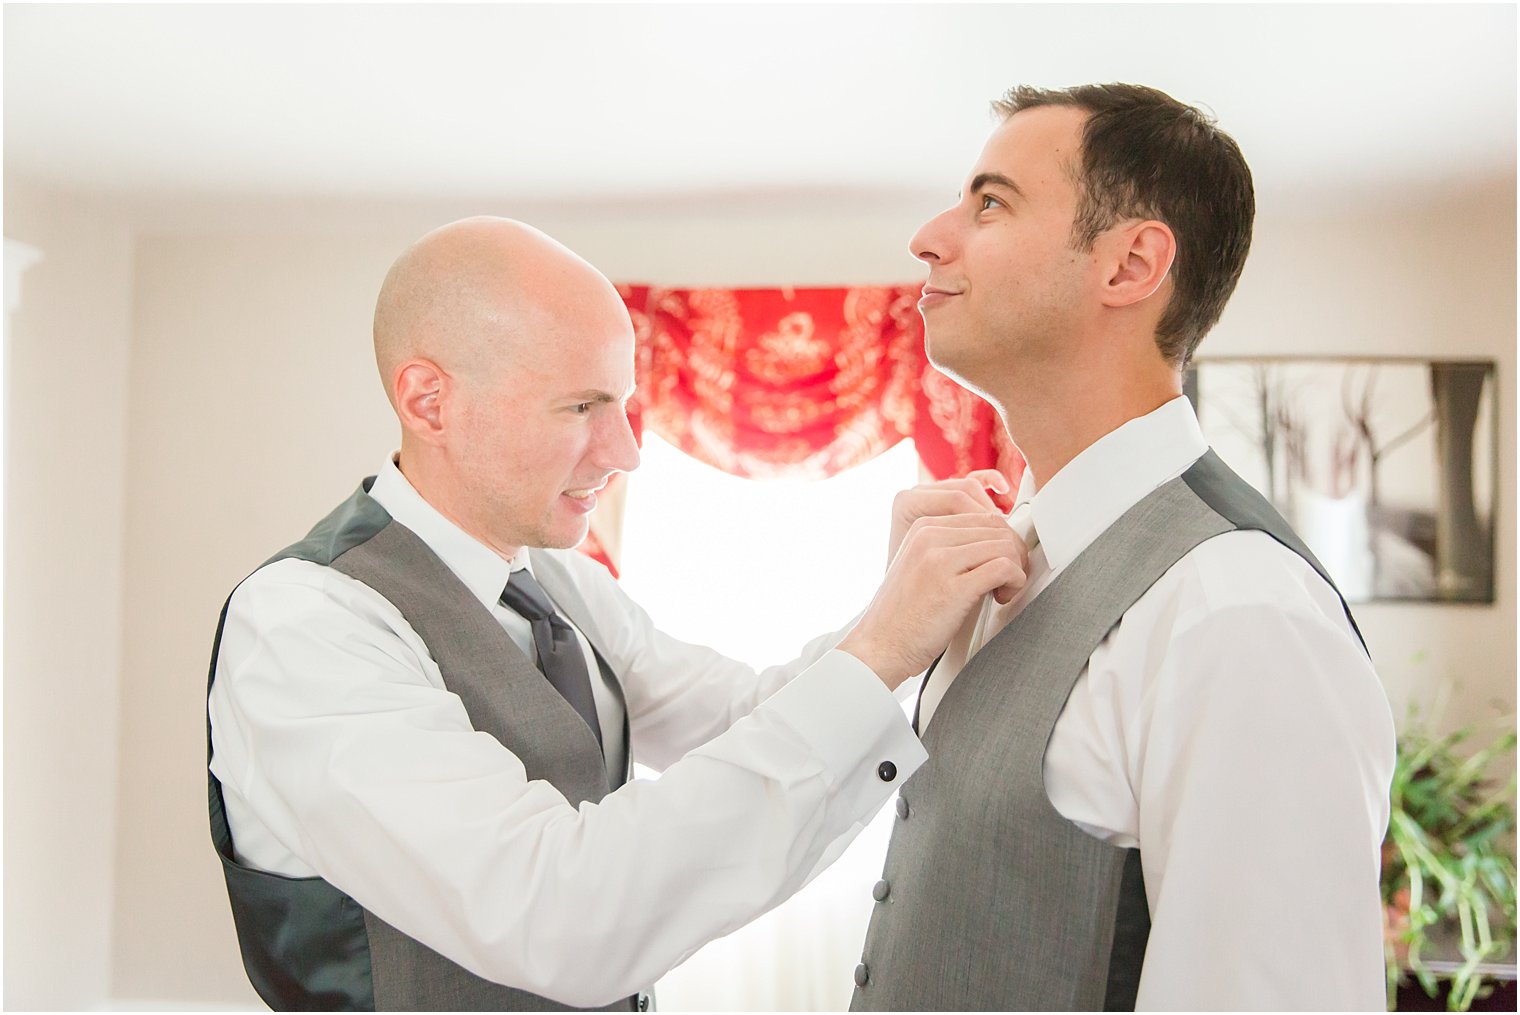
x=1111 y=476
x=483 y=572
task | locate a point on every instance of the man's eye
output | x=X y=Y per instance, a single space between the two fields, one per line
x=988 y=201
x=581 y=408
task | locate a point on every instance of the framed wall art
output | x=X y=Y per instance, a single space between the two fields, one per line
x=1387 y=468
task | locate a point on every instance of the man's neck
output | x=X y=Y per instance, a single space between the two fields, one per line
x=1053 y=419
x=415 y=469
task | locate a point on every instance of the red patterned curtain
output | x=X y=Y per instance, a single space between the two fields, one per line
x=803 y=382
x=796 y=382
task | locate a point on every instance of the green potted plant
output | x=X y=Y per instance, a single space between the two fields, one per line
x=1448 y=860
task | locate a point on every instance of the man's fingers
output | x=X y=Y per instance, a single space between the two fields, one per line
x=962 y=520
x=925 y=502
x=976 y=489
x=981 y=489
x=999 y=576
x=990 y=478
x=986 y=541
x=993 y=486
x=1005 y=592
x=997 y=565
x=965 y=558
x=975 y=486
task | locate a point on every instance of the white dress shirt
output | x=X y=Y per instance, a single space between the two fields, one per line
x=342 y=754
x=1232 y=728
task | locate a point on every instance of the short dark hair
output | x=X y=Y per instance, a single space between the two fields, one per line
x=1146 y=155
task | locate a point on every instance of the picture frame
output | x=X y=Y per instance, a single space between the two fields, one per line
x=1386 y=467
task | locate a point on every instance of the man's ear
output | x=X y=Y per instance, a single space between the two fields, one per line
x=420 y=387
x=1139 y=257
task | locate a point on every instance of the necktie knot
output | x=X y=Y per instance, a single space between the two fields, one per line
x=559 y=652
x=526 y=596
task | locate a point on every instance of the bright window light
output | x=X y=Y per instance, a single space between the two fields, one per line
x=756 y=570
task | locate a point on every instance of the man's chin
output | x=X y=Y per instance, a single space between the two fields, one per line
x=946 y=355
x=941 y=344
x=566 y=534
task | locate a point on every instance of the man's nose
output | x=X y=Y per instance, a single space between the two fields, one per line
x=930 y=243
x=620 y=451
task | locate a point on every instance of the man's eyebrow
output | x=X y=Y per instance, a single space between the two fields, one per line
x=984 y=180
x=591 y=395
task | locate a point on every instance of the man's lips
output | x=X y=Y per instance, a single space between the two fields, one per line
x=584 y=497
x=934 y=295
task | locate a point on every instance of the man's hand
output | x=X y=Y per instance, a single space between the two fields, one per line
x=966 y=495
x=939 y=575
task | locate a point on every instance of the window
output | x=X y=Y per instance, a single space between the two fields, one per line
x=756 y=569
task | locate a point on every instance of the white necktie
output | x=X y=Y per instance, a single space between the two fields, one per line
x=994 y=615
x=979 y=628
x=1022 y=522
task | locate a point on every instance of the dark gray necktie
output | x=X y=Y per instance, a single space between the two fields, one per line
x=559 y=650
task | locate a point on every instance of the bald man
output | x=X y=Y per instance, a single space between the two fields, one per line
x=422 y=716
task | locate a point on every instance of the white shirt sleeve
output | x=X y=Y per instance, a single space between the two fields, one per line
x=679 y=694
x=335 y=735
x=1261 y=786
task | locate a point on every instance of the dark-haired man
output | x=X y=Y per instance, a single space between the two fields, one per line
x=1158 y=777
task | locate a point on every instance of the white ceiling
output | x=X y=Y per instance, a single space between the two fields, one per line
x=628 y=104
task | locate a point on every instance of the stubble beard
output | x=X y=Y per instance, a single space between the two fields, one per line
x=553 y=534
x=968 y=356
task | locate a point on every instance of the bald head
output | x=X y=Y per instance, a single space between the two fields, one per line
x=473 y=295
x=509 y=362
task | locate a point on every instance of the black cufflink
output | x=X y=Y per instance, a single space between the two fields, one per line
x=887 y=771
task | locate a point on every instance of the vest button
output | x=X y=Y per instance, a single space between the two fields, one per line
x=887 y=771
x=902 y=808
x=643 y=1002
x=881 y=890
x=862 y=975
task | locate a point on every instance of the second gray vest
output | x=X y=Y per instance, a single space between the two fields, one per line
x=308 y=946
x=990 y=899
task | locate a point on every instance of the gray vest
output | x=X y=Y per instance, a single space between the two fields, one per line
x=990 y=899
x=305 y=944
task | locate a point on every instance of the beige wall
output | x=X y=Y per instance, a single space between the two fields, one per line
x=253 y=408
x=65 y=469
x=1432 y=279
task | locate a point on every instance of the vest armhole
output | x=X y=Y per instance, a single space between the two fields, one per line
x=1244 y=507
x=1132 y=929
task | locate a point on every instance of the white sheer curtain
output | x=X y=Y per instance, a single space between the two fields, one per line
x=794 y=559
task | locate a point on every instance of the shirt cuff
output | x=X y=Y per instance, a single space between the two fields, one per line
x=849 y=718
